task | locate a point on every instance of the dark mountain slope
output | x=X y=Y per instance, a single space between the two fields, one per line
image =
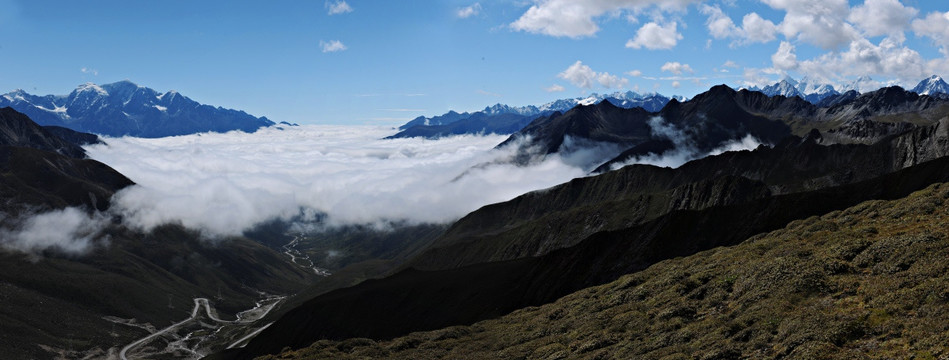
x=722 y=115
x=414 y=300
x=41 y=170
x=477 y=123
x=16 y=129
x=535 y=223
x=603 y=122
x=35 y=178
x=867 y=282
x=56 y=303
x=75 y=137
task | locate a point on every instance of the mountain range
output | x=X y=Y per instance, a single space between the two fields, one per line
x=542 y=246
x=505 y=119
x=490 y=120
x=717 y=118
x=126 y=109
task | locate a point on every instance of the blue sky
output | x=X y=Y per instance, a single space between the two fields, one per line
x=395 y=60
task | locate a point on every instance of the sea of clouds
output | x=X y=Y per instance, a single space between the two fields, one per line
x=225 y=184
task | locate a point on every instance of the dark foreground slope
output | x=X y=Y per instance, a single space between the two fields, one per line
x=867 y=282
x=415 y=300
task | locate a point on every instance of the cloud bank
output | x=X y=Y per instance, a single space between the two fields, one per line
x=69 y=231
x=224 y=184
x=684 y=149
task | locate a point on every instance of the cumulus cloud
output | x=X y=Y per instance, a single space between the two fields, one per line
x=784 y=58
x=653 y=36
x=583 y=76
x=818 y=22
x=338 y=7
x=634 y=73
x=676 y=68
x=578 y=18
x=224 y=184
x=754 y=28
x=935 y=26
x=69 y=231
x=882 y=17
x=890 y=58
x=469 y=11
x=332 y=46
x=86 y=70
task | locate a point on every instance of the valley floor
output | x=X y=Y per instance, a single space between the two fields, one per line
x=871 y=281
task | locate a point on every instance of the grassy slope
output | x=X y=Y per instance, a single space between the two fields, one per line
x=871 y=281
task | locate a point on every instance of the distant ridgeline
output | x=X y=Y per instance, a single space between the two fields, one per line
x=505 y=119
x=126 y=109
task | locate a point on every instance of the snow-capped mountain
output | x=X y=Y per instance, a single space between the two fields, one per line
x=625 y=99
x=787 y=87
x=806 y=89
x=933 y=85
x=652 y=102
x=861 y=85
x=124 y=108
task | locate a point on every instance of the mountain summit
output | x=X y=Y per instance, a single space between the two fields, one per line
x=933 y=85
x=127 y=109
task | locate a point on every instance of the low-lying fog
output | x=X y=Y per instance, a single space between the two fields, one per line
x=227 y=183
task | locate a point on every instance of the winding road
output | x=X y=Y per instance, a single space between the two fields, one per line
x=257 y=313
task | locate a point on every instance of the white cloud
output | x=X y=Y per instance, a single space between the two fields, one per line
x=754 y=28
x=890 y=59
x=730 y=64
x=611 y=81
x=332 y=46
x=676 y=85
x=584 y=77
x=577 y=18
x=654 y=36
x=882 y=17
x=338 y=7
x=86 y=70
x=69 y=231
x=676 y=68
x=634 y=73
x=817 y=22
x=554 y=88
x=469 y=11
x=784 y=58
x=936 y=26
x=684 y=149
x=226 y=183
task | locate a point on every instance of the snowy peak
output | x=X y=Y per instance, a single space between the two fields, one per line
x=933 y=85
x=125 y=108
x=862 y=84
x=806 y=89
x=783 y=88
